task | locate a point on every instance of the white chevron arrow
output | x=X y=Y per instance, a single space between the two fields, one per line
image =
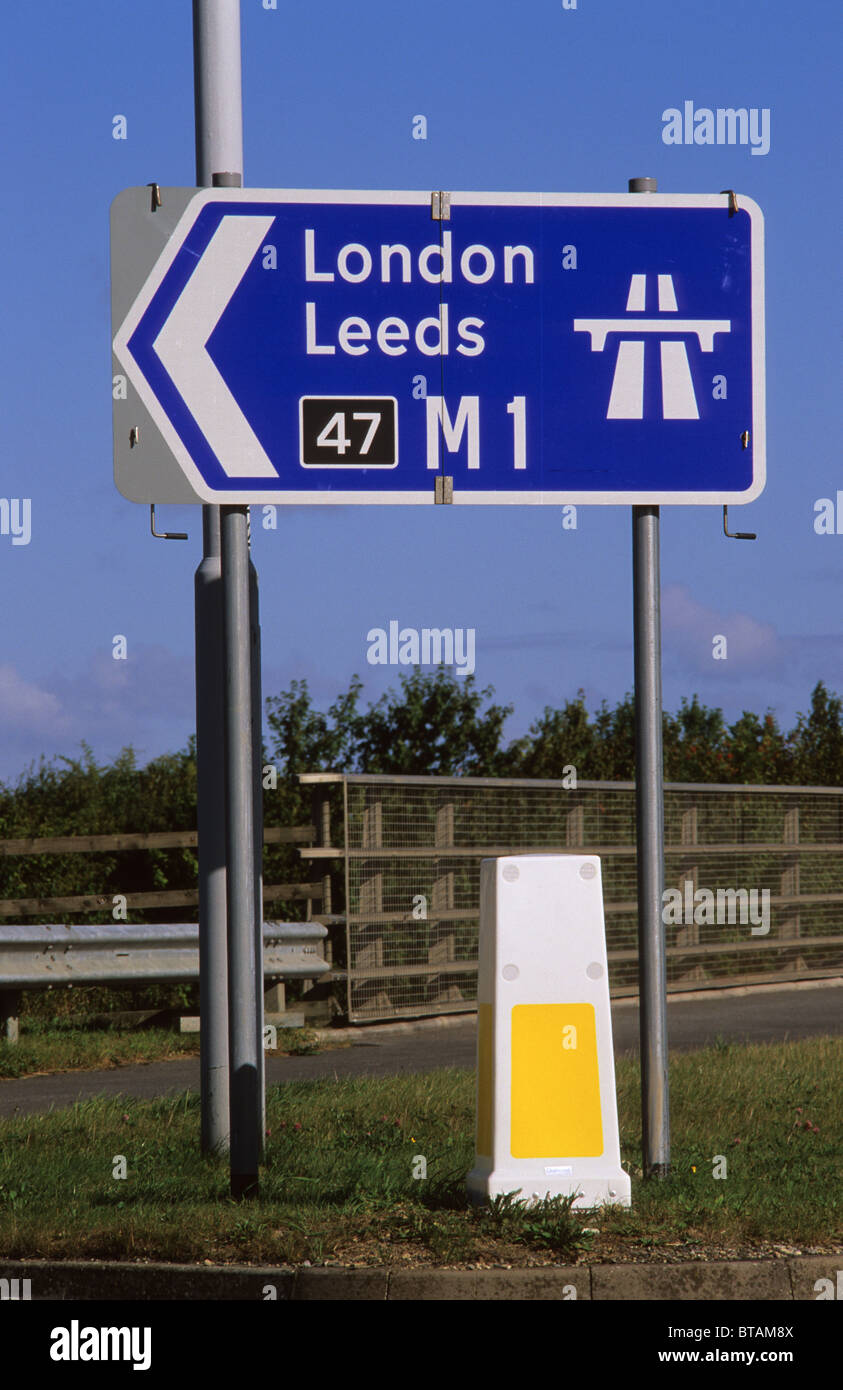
x=181 y=346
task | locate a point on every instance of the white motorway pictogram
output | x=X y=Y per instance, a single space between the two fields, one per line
x=626 y=401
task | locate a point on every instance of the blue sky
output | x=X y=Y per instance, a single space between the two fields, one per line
x=534 y=97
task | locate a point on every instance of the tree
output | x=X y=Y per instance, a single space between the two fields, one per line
x=559 y=738
x=757 y=751
x=305 y=740
x=434 y=725
x=695 y=744
x=817 y=742
x=616 y=728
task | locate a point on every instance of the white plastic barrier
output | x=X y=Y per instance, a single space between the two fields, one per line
x=547 y=1117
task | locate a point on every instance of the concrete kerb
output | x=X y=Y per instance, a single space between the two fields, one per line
x=794 y=1279
x=756 y=1280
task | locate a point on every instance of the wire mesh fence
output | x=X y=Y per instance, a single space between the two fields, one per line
x=757 y=874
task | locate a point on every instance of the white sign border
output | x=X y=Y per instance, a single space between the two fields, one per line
x=321 y=496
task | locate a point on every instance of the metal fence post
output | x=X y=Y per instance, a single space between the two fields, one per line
x=790 y=885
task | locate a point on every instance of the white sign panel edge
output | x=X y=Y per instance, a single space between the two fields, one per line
x=417 y=198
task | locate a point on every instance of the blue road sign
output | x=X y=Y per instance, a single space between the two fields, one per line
x=337 y=347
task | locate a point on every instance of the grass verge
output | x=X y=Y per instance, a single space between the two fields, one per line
x=43 y=1050
x=338 y=1186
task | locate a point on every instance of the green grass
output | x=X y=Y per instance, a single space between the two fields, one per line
x=337 y=1182
x=71 y=1047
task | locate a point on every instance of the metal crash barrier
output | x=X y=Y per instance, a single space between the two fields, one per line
x=44 y=957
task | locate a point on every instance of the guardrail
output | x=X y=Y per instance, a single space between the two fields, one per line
x=52 y=956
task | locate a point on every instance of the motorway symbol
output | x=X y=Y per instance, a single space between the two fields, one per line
x=350 y=347
x=627 y=399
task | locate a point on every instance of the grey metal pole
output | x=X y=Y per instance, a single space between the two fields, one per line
x=649 y=808
x=219 y=163
x=210 y=819
x=245 y=988
x=217 y=89
x=257 y=813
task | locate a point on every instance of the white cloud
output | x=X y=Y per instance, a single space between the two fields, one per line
x=689 y=628
x=146 y=701
x=26 y=707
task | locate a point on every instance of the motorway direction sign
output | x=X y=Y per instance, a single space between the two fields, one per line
x=338 y=347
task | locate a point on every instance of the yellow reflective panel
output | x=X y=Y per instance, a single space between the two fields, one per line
x=555 y=1103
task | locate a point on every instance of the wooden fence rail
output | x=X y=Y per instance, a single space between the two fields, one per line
x=154 y=839
x=165 y=839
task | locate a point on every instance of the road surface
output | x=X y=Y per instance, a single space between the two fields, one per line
x=763 y=1016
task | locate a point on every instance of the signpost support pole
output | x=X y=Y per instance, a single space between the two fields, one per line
x=245 y=927
x=649 y=808
x=210 y=820
x=228 y=741
x=257 y=815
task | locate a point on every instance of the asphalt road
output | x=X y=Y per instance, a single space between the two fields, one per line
x=768 y=1016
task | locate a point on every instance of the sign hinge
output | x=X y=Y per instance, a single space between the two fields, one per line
x=440 y=207
x=443 y=489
